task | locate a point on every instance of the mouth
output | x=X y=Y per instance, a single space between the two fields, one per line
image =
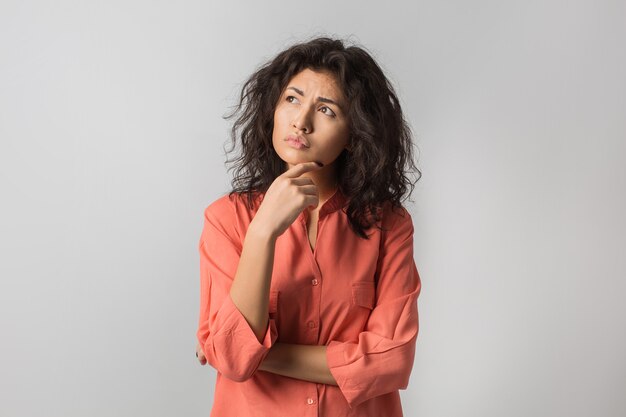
x=297 y=140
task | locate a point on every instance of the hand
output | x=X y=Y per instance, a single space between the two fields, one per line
x=200 y=354
x=286 y=197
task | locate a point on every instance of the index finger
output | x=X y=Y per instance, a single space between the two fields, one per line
x=300 y=169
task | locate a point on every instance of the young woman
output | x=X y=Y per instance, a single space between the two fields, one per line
x=302 y=311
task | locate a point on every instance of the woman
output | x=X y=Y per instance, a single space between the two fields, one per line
x=301 y=311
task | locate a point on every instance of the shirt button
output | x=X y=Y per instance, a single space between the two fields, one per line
x=311 y=324
x=310 y=400
x=314 y=281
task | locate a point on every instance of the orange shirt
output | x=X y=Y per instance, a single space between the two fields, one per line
x=357 y=297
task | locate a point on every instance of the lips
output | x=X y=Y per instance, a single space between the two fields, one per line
x=298 y=139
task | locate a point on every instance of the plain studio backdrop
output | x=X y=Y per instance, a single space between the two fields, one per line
x=112 y=144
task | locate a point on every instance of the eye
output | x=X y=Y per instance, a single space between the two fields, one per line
x=331 y=114
x=288 y=97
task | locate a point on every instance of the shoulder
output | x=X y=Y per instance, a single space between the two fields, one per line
x=229 y=214
x=231 y=204
x=394 y=216
x=222 y=206
x=396 y=222
x=220 y=218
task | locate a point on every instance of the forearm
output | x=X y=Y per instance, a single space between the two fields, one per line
x=306 y=362
x=251 y=285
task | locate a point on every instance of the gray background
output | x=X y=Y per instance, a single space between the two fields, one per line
x=112 y=145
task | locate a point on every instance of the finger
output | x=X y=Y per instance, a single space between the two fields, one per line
x=302 y=181
x=309 y=190
x=201 y=358
x=312 y=201
x=300 y=169
x=200 y=354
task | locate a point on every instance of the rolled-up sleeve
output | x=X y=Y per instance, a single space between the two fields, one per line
x=381 y=360
x=229 y=343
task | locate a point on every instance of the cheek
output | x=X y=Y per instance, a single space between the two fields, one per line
x=341 y=136
x=280 y=116
x=278 y=121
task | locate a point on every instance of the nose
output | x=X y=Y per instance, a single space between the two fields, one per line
x=302 y=120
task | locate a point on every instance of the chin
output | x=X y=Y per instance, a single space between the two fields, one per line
x=293 y=160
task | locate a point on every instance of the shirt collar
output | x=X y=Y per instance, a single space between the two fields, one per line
x=334 y=203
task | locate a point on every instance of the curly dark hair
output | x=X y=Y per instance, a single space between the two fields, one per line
x=372 y=172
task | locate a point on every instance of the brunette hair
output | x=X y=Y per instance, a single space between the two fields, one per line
x=373 y=172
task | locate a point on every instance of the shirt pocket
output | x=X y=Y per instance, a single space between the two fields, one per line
x=364 y=294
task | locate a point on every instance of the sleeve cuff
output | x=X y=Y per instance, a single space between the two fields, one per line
x=335 y=354
x=237 y=323
x=238 y=351
x=336 y=360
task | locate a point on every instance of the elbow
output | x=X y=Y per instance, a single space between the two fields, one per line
x=404 y=372
x=405 y=376
x=231 y=364
x=236 y=372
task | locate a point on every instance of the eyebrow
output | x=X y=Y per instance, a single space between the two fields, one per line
x=322 y=99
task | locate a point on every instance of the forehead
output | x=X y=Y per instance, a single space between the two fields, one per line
x=320 y=81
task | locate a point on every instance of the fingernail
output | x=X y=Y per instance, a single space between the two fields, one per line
x=319 y=163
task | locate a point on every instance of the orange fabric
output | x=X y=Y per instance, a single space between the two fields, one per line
x=357 y=297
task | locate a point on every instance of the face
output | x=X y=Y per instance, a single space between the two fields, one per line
x=313 y=107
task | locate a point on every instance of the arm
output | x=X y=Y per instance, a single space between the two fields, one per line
x=234 y=331
x=251 y=286
x=381 y=358
x=380 y=362
x=306 y=362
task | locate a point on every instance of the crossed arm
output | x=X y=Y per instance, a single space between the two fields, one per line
x=306 y=362
x=383 y=355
